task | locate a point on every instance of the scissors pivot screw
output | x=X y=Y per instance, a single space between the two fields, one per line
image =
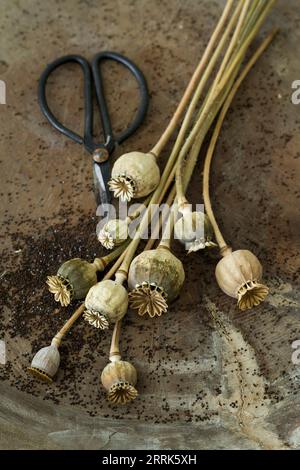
x=100 y=155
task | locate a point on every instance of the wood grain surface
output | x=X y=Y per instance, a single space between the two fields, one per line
x=209 y=376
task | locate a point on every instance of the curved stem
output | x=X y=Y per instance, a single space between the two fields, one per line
x=61 y=333
x=207 y=163
x=101 y=263
x=115 y=266
x=139 y=210
x=157 y=149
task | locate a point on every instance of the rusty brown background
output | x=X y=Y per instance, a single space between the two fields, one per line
x=209 y=376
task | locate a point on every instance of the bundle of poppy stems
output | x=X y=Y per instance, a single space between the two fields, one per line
x=148 y=282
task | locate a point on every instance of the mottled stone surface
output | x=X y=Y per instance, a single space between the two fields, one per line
x=209 y=376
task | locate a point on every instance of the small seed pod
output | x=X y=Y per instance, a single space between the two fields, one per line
x=155 y=278
x=73 y=280
x=106 y=302
x=194 y=231
x=119 y=379
x=134 y=175
x=238 y=275
x=114 y=233
x=45 y=363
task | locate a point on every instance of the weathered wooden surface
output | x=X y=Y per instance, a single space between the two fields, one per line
x=209 y=376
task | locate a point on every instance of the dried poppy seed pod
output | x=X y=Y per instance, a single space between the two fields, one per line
x=155 y=277
x=113 y=233
x=119 y=379
x=134 y=175
x=194 y=231
x=74 y=279
x=45 y=363
x=106 y=302
x=238 y=275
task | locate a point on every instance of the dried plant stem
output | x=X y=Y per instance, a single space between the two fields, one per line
x=68 y=325
x=254 y=12
x=197 y=144
x=243 y=49
x=256 y=8
x=161 y=221
x=216 y=90
x=207 y=163
x=114 y=353
x=232 y=45
x=115 y=266
x=139 y=210
x=157 y=149
x=106 y=260
x=167 y=234
x=208 y=103
x=202 y=83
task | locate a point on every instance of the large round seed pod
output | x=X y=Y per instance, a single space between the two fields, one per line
x=155 y=279
x=134 y=175
x=106 y=303
x=119 y=379
x=239 y=274
x=73 y=280
x=45 y=363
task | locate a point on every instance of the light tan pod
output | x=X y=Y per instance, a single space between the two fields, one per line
x=239 y=274
x=134 y=175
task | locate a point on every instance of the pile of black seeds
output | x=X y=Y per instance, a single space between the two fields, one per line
x=23 y=290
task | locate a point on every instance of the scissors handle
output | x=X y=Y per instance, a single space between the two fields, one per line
x=88 y=119
x=94 y=75
x=143 y=89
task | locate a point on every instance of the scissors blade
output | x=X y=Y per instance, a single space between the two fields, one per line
x=101 y=172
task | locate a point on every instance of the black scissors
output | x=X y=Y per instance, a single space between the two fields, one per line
x=92 y=77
